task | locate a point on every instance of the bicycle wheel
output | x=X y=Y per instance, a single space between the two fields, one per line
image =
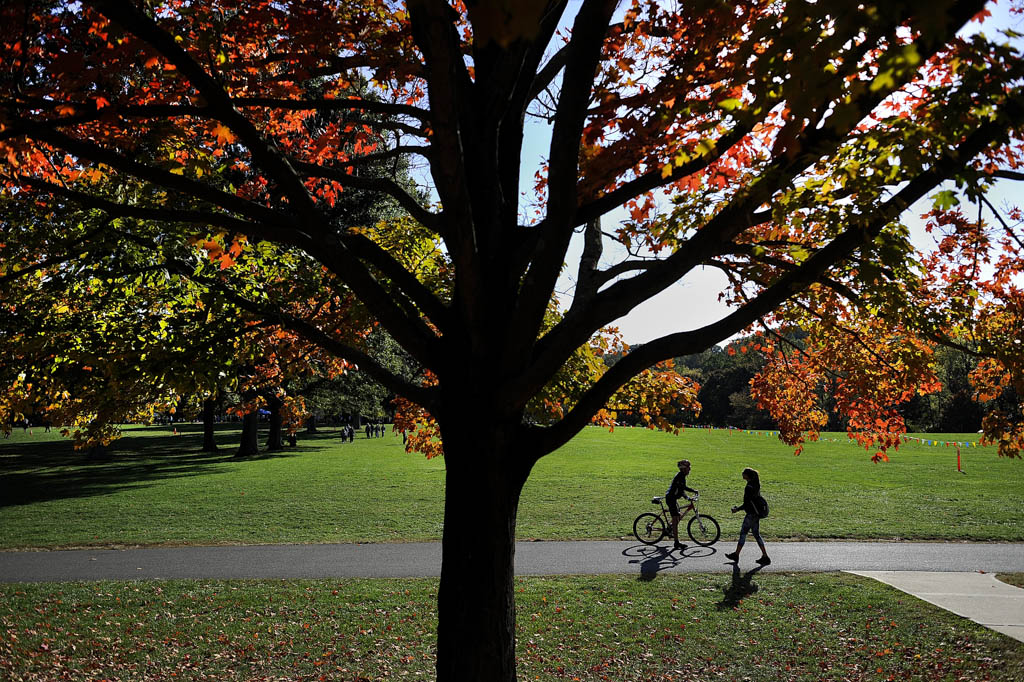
x=703 y=530
x=649 y=528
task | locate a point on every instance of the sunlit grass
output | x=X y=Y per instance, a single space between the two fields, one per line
x=158 y=488
x=695 y=627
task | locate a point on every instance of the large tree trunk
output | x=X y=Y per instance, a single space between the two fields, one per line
x=209 y=408
x=311 y=423
x=249 y=446
x=476 y=599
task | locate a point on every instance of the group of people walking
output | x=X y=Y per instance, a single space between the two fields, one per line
x=751 y=506
x=348 y=432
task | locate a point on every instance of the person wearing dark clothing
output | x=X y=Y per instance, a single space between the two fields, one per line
x=676 y=490
x=751 y=520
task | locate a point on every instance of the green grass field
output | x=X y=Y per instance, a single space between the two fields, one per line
x=766 y=628
x=158 y=488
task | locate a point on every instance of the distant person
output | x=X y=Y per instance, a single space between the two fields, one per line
x=752 y=520
x=292 y=440
x=676 y=490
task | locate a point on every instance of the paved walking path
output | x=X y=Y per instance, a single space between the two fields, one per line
x=950 y=575
x=413 y=559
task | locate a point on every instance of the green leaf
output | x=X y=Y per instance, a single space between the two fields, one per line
x=945 y=200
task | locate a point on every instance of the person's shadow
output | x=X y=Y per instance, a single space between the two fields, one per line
x=742 y=585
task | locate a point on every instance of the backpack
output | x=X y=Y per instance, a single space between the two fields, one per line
x=761 y=506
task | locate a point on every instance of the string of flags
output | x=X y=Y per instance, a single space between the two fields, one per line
x=932 y=442
x=775 y=434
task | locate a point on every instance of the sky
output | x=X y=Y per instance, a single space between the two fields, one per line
x=693 y=301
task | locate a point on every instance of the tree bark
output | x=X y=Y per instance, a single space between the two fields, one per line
x=249 y=446
x=209 y=444
x=476 y=598
x=311 y=423
x=275 y=441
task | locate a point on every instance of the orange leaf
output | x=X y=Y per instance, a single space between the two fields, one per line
x=224 y=134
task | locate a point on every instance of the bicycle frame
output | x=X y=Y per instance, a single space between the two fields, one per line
x=667 y=517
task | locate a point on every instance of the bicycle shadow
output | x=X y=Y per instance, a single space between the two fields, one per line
x=742 y=586
x=656 y=558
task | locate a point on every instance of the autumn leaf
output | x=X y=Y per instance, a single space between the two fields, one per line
x=224 y=134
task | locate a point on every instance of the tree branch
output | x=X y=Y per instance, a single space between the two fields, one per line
x=584 y=54
x=309 y=331
x=788 y=285
x=1007 y=175
x=264 y=153
x=58 y=259
x=429 y=220
x=160 y=177
x=420 y=295
x=258 y=230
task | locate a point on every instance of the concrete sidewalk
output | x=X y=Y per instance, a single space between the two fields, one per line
x=980 y=597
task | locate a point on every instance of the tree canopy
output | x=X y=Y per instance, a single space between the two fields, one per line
x=781 y=142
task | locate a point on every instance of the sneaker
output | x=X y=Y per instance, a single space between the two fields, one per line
x=764 y=561
x=680 y=546
x=732 y=556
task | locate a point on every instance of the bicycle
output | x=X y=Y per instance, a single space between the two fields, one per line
x=649 y=528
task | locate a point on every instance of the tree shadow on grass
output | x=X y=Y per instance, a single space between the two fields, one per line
x=742 y=586
x=52 y=469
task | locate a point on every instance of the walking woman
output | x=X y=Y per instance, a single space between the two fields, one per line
x=751 y=522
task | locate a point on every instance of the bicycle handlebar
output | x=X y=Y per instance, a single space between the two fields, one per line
x=659 y=498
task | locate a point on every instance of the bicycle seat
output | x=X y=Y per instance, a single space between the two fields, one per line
x=655 y=500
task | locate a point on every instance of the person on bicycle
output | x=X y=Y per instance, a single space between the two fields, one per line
x=752 y=520
x=675 y=491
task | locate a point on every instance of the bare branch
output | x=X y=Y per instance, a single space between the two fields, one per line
x=1006 y=228
x=1007 y=175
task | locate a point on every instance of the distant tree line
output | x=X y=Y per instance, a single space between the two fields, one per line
x=724 y=374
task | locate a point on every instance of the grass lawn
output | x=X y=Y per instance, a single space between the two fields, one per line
x=1015 y=579
x=158 y=488
x=695 y=627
